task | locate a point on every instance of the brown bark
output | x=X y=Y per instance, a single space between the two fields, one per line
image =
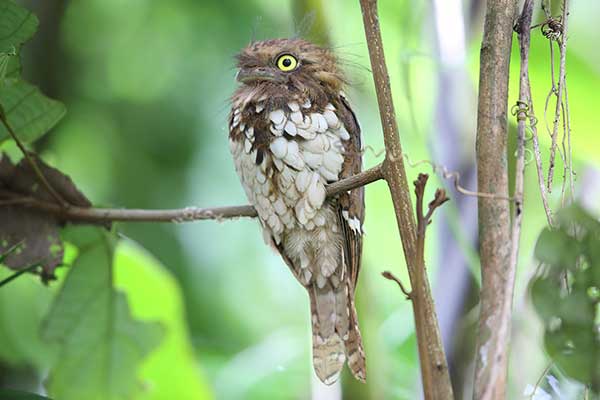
x=434 y=369
x=188 y=214
x=494 y=214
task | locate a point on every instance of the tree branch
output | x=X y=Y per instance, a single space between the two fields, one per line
x=188 y=214
x=434 y=370
x=559 y=91
x=494 y=215
x=523 y=108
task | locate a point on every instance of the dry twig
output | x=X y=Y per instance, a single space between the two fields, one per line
x=388 y=275
x=561 y=37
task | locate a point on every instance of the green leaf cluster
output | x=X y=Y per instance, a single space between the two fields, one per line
x=566 y=294
x=94 y=344
x=29 y=112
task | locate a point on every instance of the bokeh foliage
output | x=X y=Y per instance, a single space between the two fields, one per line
x=566 y=294
x=89 y=339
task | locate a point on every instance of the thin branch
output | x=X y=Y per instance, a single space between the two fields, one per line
x=443 y=171
x=559 y=92
x=20 y=272
x=11 y=250
x=522 y=109
x=539 y=381
x=434 y=370
x=569 y=152
x=494 y=215
x=188 y=214
x=388 y=275
x=524 y=105
x=31 y=161
x=427 y=308
x=423 y=220
x=538 y=159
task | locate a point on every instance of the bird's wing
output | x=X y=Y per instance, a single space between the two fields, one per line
x=351 y=207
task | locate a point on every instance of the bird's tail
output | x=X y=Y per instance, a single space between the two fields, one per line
x=335 y=333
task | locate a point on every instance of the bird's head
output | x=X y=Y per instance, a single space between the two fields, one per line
x=291 y=63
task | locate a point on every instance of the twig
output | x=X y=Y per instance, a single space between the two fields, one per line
x=522 y=113
x=32 y=162
x=187 y=214
x=444 y=173
x=525 y=105
x=523 y=108
x=423 y=220
x=539 y=381
x=494 y=215
x=392 y=277
x=442 y=170
x=18 y=273
x=559 y=91
x=567 y=119
x=538 y=160
x=434 y=370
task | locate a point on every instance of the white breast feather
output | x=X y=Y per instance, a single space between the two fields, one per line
x=304 y=163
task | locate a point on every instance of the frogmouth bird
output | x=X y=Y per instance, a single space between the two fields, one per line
x=292 y=132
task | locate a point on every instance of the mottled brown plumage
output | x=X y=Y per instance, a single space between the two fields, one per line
x=291 y=132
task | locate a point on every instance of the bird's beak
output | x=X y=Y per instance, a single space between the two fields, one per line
x=248 y=75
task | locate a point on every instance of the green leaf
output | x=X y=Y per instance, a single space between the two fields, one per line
x=29 y=113
x=154 y=294
x=575 y=214
x=571 y=337
x=577 y=309
x=17 y=25
x=545 y=297
x=101 y=344
x=10 y=68
x=593 y=253
x=572 y=349
x=7 y=394
x=557 y=248
x=23 y=303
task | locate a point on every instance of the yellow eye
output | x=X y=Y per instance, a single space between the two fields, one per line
x=287 y=62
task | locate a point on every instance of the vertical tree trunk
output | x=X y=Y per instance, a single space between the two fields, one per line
x=494 y=213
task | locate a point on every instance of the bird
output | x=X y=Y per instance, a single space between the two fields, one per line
x=291 y=133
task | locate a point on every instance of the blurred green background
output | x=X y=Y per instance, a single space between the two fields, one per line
x=146 y=84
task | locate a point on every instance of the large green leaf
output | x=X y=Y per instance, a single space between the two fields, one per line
x=101 y=344
x=29 y=113
x=17 y=25
x=569 y=313
x=154 y=294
